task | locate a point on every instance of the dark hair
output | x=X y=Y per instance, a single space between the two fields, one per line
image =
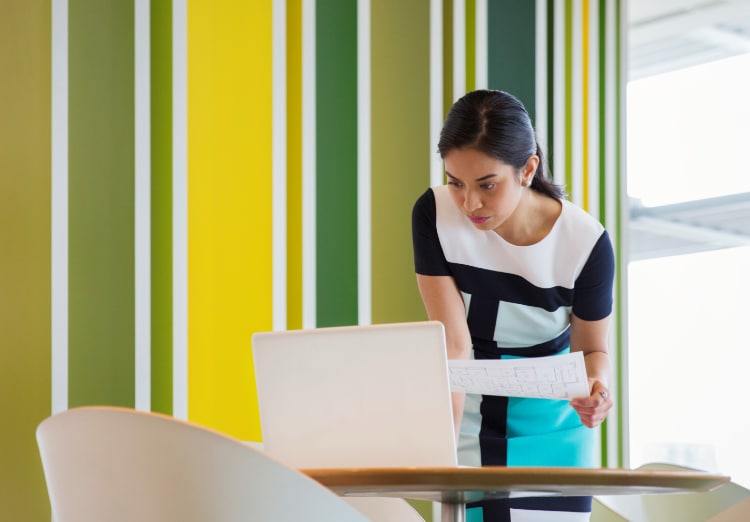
x=497 y=124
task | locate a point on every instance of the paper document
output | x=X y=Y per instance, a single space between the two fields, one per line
x=554 y=377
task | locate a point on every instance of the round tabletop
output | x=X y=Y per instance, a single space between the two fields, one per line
x=460 y=485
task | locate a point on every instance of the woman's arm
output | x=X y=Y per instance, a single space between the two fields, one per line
x=590 y=337
x=444 y=303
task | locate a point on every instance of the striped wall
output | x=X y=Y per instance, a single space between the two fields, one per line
x=178 y=174
x=579 y=96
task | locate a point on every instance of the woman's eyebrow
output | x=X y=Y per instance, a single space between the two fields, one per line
x=483 y=178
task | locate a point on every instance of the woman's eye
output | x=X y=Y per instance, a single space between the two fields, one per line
x=454 y=183
x=488 y=186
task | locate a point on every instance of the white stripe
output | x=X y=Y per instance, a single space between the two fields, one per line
x=279 y=131
x=558 y=121
x=179 y=210
x=436 y=90
x=459 y=48
x=480 y=44
x=142 y=206
x=309 y=297
x=59 y=205
x=364 y=164
x=576 y=114
x=540 y=74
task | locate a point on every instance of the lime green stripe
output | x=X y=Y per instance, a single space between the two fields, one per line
x=161 y=206
x=511 y=49
x=25 y=239
x=471 y=45
x=612 y=182
x=336 y=174
x=569 y=97
x=603 y=178
x=400 y=150
x=101 y=199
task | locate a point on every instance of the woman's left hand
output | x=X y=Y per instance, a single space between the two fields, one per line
x=593 y=409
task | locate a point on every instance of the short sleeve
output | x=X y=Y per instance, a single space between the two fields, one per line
x=592 y=298
x=429 y=258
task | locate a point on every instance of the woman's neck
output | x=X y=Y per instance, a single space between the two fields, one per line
x=532 y=220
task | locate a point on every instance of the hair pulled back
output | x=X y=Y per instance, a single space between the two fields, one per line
x=497 y=124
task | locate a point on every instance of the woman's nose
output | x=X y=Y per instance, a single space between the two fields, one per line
x=472 y=201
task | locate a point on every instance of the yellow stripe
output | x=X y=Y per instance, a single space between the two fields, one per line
x=294 y=164
x=229 y=207
x=585 y=103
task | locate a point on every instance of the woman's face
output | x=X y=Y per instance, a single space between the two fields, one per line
x=485 y=189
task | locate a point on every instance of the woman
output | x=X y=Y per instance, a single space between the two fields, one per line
x=512 y=269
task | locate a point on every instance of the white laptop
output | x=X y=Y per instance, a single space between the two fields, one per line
x=356 y=396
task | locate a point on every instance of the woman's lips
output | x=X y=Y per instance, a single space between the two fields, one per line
x=478 y=220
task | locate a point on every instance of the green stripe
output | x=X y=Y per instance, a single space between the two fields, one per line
x=447 y=56
x=25 y=239
x=569 y=97
x=603 y=178
x=471 y=45
x=401 y=150
x=101 y=199
x=161 y=206
x=512 y=49
x=336 y=183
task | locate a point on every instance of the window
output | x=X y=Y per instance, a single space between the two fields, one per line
x=688 y=178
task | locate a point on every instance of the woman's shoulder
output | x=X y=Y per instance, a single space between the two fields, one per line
x=576 y=220
x=428 y=198
x=424 y=206
x=441 y=196
x=435 y=200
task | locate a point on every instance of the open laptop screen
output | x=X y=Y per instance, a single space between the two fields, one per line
x=356 y=396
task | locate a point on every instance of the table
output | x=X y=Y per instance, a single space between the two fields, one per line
x=454 y=487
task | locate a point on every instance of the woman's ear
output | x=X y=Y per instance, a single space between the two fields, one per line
x=529 y=170
x=531 y=165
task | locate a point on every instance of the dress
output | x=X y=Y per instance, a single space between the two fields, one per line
x=518 y=302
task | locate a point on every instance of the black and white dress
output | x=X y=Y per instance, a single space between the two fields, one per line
x=518 y=302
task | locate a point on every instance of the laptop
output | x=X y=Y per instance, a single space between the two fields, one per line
x=356 y=396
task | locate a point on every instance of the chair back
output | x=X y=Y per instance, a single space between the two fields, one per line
x=685 y=507
x=120 y=465
x=384 y=509
x=377 y=509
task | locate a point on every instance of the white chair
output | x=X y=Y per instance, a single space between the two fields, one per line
x=382 y=509
x=685 y=507
x=602 y=513
x=120 y=465
x=377 y=509
x=740 y=512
